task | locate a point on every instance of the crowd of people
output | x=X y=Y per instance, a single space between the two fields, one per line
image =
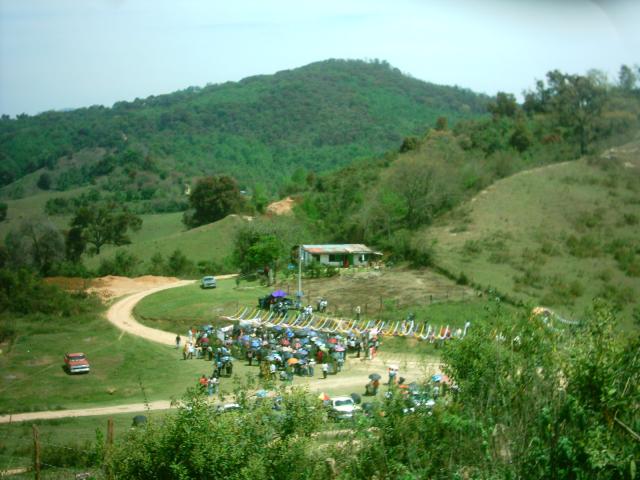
x=280 y=352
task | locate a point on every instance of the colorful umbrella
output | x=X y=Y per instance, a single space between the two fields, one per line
x=339 y=348
x=324 y=397
x=279 y=294
x=292 y=361
x=375 y=376
x=333 y=340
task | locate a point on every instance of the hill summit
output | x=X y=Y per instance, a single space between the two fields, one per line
x=261 y=129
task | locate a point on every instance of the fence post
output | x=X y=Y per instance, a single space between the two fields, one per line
x=109 y=433
x=36 y=452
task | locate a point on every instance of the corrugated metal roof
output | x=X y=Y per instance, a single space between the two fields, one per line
x=338 y=248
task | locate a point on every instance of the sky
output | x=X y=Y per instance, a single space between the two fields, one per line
x=58 y=54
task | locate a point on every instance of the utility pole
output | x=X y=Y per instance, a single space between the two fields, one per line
x=299 y=292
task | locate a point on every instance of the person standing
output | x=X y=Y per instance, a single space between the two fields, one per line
x=312 y=366
x=177 y=341
x=325 y=370
x=203 y=383
x=358 y=312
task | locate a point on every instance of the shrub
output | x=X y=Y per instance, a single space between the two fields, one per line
x=471 y=248
x=630 y=219
x=583 y=247
x=123 y=263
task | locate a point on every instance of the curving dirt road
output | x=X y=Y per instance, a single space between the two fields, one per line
x=121 y=315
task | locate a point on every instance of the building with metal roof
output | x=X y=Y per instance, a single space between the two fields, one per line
x=338 y=255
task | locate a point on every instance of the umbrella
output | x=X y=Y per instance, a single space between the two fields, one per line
x=287 y=349
x=304 y=341
x=261 y=393
x=324 y=397
x=375 y=376
x=302 y=351
x=285 y=342
x=277 y=328
x=289 y=333
x=256 y=343
x=333 y=340
x=245 y=338
x=339 y=348
x=436 y=378
x=297 y=345
x=292 y=361
x=279 y=294
x=273 y=357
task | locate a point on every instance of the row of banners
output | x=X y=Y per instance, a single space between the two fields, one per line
x=320 y=323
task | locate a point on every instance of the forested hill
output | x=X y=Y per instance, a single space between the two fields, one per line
x=262 y=128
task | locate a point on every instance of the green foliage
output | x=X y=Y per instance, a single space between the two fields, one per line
x=3 y=211
x=22 y=292
x=212 y=199
x=200 y=442
x=179 y=264
x=35 y=244
x=101 y=225
x=318 y=117
x=122 y=263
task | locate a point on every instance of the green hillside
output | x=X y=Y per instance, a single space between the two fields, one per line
x=558 y=236
x=165 y=233
x=260 y=130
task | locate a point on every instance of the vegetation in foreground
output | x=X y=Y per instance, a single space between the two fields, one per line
x=530 y=402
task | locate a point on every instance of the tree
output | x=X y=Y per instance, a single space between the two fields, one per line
x=101 y=225
x=44 y=182
x=576 y=103
x=3 y=211
x=505 y=105
x=212 y=199
x=256 y=249
x=442 y=124
x=627 y=78
x=37 y=244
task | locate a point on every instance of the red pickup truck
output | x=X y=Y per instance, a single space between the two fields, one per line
x=76 y=363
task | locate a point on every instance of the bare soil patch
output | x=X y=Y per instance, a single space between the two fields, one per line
x=372 y=288
x=281 y=207
x=110 y=286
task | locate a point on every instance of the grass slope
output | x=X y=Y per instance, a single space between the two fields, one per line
x=558 y=235
x=164 y=233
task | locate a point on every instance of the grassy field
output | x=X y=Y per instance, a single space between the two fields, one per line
x=164 y=233
x=32 y=208
x=61 y=440
x=388 y=295
x=125 y=369
x=557 y=236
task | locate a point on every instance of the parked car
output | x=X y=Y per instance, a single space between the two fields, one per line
x=208 y=282
x=342 y=408
x=76 y=363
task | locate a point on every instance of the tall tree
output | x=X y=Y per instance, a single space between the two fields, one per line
x=103 y=225
x=212 y=199
x=36 y=244
x=576 y=102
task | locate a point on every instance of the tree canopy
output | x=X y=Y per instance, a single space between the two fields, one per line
x=212 y=199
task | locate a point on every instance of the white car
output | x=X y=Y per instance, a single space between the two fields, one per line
x=342 y=408
x=208 y=282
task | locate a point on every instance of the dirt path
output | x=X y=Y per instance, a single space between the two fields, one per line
x=121 y=315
